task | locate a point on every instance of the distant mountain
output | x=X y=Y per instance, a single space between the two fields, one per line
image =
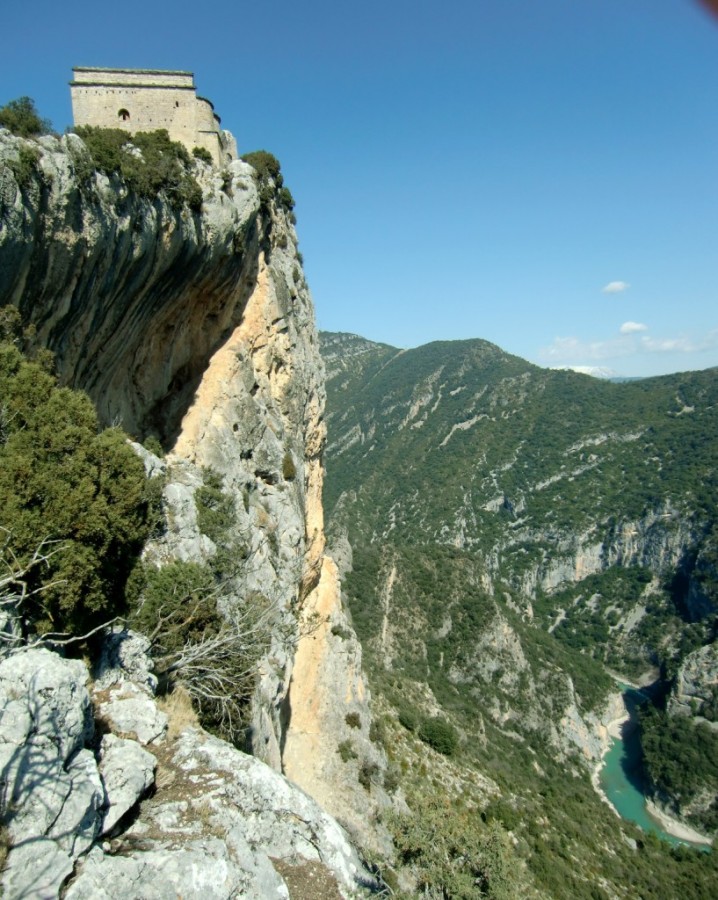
x=516 y=533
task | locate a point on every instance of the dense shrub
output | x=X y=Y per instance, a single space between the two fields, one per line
x=74 y=493
x=681 y=759
x=202 y=154
x=216 y=512
x=453 y=854
x=271 y=181
x=21 y=117
x=265 y=164
x=149 y=161
x=440 y=735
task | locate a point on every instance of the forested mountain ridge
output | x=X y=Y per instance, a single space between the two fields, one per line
x=518 y=533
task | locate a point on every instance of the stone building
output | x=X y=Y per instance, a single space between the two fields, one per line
x=148 y=99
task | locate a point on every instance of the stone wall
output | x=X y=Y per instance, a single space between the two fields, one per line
x=148 y=99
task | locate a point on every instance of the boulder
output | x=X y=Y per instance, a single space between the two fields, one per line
x=52 y=793
x=125 y=657
x=128 y=710
x=127 y=772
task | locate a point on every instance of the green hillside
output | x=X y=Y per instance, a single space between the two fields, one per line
x=516 y=533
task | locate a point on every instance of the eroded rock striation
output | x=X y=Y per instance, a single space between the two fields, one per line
x=196 y=328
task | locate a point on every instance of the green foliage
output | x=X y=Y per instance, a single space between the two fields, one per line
x=440 y=735
x=353 y=720
x=202 y=637
x=79 y=490
x=289 y=470
x=178 y=596
x=21 y=118
x=368 y=772
x=216 y=512
x=285 y=198
x=391 y=779
x=681 y=760
x=25 y=166
x=265 y=164
x=149 y=161
x=453 y=854
x=202 y=154
x=409 y=718
x=378 y=732
x=346 y=750
x=271 y=181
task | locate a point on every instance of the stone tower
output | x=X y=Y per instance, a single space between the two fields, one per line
x=148 y=99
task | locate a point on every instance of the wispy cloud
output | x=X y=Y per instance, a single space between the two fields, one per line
x=615 y=287
x=573 y=351
x=632 y=327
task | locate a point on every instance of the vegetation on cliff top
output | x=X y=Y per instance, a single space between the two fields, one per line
x=22 y=118
x=149 y=161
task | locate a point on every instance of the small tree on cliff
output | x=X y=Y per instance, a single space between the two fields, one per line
x=21 y=117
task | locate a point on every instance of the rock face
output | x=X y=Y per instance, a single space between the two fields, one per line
x=695 y=691
x=52 y=792
x=197 y=329
x=215 y=825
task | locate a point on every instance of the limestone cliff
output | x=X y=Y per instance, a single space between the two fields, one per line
x=197 y=328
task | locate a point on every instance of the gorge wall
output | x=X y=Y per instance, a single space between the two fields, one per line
x=196 y=328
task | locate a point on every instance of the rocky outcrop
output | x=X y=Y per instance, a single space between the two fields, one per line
x=52 y=794
x=329 y=701
x=185 y=816
x=695 y=689
x=197 y=328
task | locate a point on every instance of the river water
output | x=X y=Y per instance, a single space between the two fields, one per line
x=621 y=777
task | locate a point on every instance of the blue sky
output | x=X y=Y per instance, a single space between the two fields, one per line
x=538 y=173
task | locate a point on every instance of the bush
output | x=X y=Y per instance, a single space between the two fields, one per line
x=391 y=779
x=271 y=181
x=265 y=164
x=440 y=735
x=346 y=751
x=73 y=494
x=202 y=154
x=289 y=470
x=368 y=772
x=25 y=166
x=21 y=118
x=149 y=161
x=377 y=732
x=353 y=720
x=213 y=656
x=216 y=512
x=453 y=855
x=409 y=718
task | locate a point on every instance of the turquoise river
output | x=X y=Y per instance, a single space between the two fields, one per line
x=621 y=779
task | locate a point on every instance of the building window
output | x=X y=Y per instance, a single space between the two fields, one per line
x=123 y=114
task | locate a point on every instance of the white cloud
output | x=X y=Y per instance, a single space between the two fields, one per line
x=632 y=327
x=615 y=287
x=571 y=351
